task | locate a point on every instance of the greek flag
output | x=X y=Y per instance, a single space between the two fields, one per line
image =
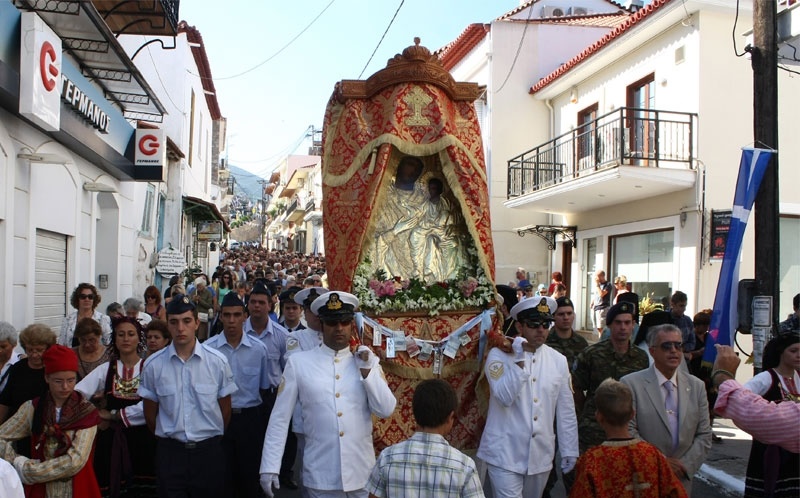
x=724 y=318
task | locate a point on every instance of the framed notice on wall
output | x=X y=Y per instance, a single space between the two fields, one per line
x=720 y=226
x=209 y=231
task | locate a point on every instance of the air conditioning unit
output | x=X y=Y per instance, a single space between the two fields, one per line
x=548 y=11
x=577 y=11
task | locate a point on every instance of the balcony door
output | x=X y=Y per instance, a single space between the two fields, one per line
x=587 y=135
x=641 y=120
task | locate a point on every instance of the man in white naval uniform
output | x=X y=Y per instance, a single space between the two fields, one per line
x=529 y=389
x=338 y=392
x=299 y=340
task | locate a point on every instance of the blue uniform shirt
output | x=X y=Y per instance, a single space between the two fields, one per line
x=248 y=362
x=187 y=392
x=274 y=337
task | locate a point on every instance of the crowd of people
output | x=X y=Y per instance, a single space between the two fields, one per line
x=221 y=385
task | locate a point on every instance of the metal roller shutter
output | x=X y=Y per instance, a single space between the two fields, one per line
x=50 y=284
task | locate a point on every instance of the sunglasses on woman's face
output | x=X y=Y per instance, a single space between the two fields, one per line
x=86 y=296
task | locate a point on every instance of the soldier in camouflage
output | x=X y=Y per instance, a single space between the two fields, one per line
x=615 y=358
x=562 y=338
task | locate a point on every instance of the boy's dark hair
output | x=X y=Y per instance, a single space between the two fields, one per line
x=434 y=400
x=615 y=402
x=679 y=297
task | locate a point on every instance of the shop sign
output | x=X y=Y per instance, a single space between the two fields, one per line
x=150 y=155
x=209 y=231
x=40 y=73
x=170 y=261
x=84 y=106
x=720 y=226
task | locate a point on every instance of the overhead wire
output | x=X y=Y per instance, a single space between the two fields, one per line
x=519 y=49
x=733 y=33
x=280 y=50
x=381 y=40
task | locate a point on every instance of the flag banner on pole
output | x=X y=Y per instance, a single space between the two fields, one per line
x=724 y=318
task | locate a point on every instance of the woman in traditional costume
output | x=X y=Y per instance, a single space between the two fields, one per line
x=773 y=471
x=62 y=426
x=125 y=448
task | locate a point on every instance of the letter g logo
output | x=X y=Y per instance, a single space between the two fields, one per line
x=148 y=145
x=47 y=67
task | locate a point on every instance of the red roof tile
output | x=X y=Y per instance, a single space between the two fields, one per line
x=599 y=20
x=452 y=53
x=203 y=67
x=599 y=44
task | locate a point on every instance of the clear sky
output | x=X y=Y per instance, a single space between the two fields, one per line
x=270 y=108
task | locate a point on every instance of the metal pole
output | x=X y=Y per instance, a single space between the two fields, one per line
x=262 y=213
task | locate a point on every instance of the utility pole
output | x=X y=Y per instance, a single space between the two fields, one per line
x=764 y=60
x=263 y=213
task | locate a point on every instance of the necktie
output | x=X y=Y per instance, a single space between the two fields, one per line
x=671 y=404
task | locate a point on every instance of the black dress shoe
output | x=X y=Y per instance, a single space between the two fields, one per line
x=288 y=483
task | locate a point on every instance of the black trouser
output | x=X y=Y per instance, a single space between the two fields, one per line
x=190 y=470
x=243 y=441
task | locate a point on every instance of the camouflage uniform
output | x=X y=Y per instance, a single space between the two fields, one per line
x=570 y=348
x=595 y=364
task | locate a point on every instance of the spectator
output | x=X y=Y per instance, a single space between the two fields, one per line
x=770 y=471
x=439 y=470
x=769 y=422
x=677 y=309
x=152 y=303
x=792 y=322
x=601 y=301
x=134 y=309
x=8 y=342
x=157 y=336
x=84 y=299
x=555 y=279
x=91 y=351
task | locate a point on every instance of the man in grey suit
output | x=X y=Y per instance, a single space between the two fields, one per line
x=671 y=405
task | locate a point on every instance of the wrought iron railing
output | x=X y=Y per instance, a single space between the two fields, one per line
x=309 y=205
x=292 y=207
x=626 y=136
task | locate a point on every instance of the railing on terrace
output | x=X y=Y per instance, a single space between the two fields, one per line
x=626 y=136
x=309 y=205
x=291 y=207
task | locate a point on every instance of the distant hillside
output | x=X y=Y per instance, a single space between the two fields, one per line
x=246 y=183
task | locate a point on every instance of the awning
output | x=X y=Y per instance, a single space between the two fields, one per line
x=88 y=38
x=201 y=210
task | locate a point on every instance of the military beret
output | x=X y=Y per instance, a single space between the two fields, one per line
x=287 y=296
x=180 y=304
x=232 y=299
x=260 y=288
x=534 y=308
x=618 y=309
x=335 y=304
x=564 y=301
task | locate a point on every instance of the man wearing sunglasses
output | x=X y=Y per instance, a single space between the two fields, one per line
x=671 y=405
x=338 y=391
x=529 y=391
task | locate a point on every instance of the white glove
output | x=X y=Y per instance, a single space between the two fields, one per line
x=19 y=463
x=516 y=346
x=567 y=464
x=365 y=358
x=268 y=480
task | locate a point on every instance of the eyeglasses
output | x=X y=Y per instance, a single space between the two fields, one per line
x=535 y=325
x=86 y=296
x=667 y=346
x=149 y=297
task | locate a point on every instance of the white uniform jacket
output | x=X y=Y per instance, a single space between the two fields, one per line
x=336 y=405
x=522 y=406
x=301 y=340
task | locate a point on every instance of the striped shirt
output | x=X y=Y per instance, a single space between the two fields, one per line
x=768 y=422
x=424 y=466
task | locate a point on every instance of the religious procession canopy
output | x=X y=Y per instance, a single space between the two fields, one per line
x=407 y=230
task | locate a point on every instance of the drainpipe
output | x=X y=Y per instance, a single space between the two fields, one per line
x=549 y=104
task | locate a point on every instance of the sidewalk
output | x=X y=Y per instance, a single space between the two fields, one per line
x=726 y=464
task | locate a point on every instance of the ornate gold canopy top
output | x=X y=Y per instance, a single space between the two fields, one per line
x=415 y=64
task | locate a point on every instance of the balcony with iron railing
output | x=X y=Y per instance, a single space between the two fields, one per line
x=626 y=138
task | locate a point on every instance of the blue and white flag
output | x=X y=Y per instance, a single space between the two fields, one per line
x=724 y=319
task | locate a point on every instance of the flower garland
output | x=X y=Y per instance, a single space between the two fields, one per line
x=377 y=294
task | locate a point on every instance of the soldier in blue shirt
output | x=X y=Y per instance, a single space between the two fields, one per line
x=187 y=389
x=247 y=357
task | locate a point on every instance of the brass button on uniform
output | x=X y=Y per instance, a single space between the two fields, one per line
x=337 y=376
x=339 y=414
x=535 y=419
x=341 y=434
x=535 y=400
x=337 y=395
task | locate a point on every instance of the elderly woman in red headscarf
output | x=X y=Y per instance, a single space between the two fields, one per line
x=62 y=426
x=125 y=454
